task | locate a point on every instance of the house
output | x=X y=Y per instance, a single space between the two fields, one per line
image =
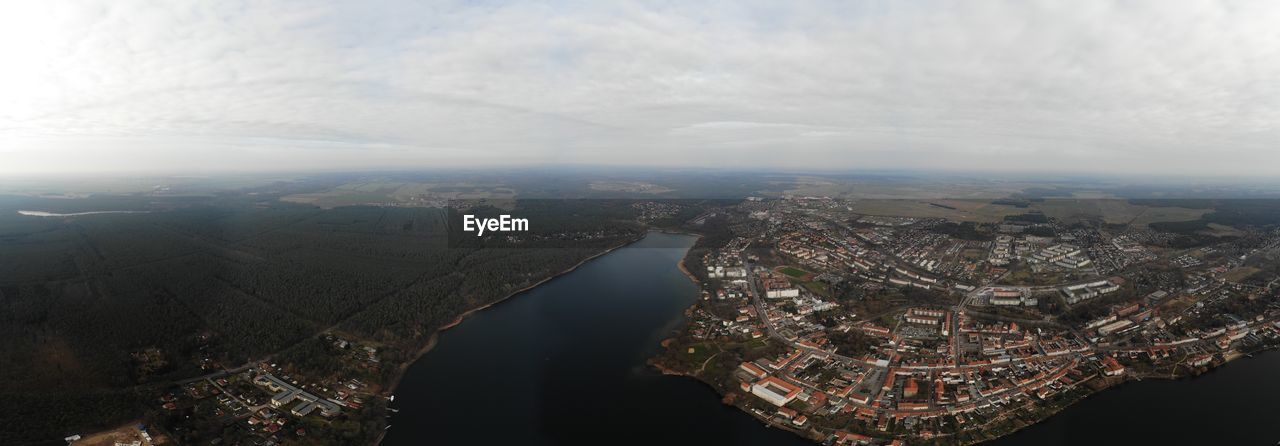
x=843 y=438
x=288 y=394
x=753 y=370
x=1112 y=367
x=800 y=421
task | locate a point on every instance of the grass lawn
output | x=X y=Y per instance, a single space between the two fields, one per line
x=793 y=271
x=1241 y=273
x=818 y=288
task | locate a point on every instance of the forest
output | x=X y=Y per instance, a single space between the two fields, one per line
x=1237 y=212
x=214 y=282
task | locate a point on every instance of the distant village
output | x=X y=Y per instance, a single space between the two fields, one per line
x=267 y=403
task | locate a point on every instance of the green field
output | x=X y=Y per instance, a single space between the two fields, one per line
x=818 y=288
x=793 y=272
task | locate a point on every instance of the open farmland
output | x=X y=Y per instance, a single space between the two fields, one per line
x=982 y=211
x=1114 y=211
x=398 y=192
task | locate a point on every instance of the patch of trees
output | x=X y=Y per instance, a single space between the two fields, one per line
x=1030 y=217
x=963 y=230
x=1039 y=231
x=852 y=342
x=47 y=418
x=920 y=296
x=1012 y=202
x=1180 y=227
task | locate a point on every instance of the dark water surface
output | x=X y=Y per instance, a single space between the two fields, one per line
x=564 y=363
x=1238 y=404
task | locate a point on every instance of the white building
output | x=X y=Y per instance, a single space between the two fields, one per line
x=782 y=293
x=775 y=391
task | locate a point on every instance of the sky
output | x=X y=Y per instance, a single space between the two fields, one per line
x=1153 y=87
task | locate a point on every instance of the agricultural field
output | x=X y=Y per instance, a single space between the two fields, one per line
x=1154 y=214
x=638 y=187
x=982 y=211
x=1114 y=211
x=1221 y=230
x=906 y=188
x=401 y=193
x=1241 y=273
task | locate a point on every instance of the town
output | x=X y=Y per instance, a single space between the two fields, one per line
x=849 y=328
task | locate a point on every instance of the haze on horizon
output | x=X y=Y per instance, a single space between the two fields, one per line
x=1148 y=87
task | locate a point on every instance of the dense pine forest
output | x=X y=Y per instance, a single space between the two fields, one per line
x=99 y=311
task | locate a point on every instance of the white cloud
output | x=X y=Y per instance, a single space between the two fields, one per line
x=1155 y=86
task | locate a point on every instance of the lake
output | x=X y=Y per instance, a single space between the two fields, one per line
x=564 y=363
x=1238 y=404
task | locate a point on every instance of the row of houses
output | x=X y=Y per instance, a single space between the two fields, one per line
x=1085 y=291
x=288 y=393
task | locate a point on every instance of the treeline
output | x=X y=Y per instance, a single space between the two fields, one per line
x=966 y=230
x=1030 y=218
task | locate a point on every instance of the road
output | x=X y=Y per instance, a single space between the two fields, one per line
x=772 y=331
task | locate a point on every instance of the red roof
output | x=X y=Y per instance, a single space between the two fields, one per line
x=753 y=369
x=911 y=387
x=773 y=381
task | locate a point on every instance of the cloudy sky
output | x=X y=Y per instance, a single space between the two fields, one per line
x=1185 y=87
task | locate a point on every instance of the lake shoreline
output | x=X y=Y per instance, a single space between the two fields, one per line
x=434 y=338
x=725 y=399
x=532 y=361
x=44 y=214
